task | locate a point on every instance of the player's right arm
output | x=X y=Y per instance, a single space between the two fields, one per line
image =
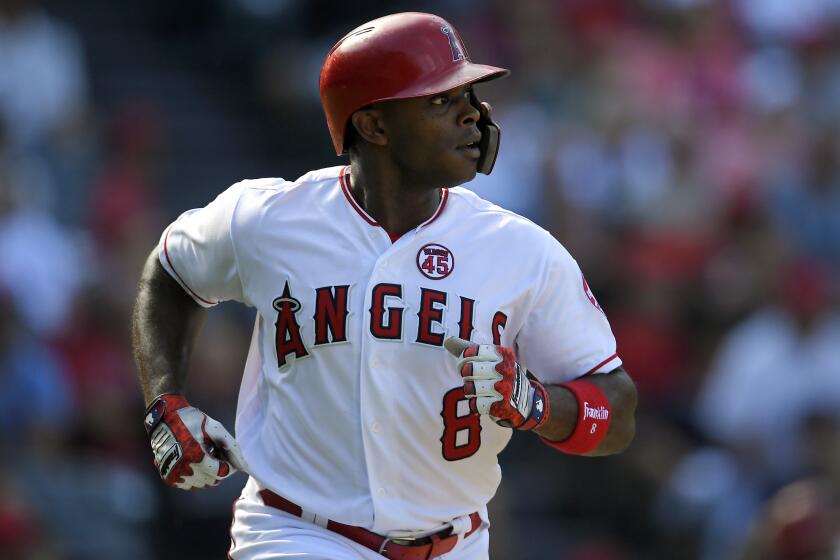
x=193 y=267
x=165 y=325
x=191 y=450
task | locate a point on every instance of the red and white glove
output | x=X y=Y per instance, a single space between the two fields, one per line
x=499 y=387
x=191 y=449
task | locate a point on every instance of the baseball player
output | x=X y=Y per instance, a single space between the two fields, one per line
x=405 y=328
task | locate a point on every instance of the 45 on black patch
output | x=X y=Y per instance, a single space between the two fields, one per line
x=434 y=261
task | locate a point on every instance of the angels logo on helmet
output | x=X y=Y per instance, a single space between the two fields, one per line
x=458 y=52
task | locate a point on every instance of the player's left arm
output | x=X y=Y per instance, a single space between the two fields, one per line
x=565 y=332
x=565 y=413
x=592 y=415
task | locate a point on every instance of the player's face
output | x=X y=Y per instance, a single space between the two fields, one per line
x=434 y=139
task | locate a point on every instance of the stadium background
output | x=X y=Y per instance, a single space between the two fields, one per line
x=685 y=151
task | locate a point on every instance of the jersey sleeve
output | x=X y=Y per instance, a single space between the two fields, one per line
x=566 y=335
x=197 y=250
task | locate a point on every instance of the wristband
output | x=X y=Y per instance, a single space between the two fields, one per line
x=593 y=419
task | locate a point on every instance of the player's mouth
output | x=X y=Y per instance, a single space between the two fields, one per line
x=471 y=149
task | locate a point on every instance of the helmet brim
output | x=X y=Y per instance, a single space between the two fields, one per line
x=468 y=73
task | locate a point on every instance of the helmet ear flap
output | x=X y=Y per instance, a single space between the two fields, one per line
x=491 y=135
x=490 y=138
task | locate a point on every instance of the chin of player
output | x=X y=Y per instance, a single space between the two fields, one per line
x=453 y=167
x=464 y=166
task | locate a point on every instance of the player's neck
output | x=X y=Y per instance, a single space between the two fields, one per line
x=397 y=206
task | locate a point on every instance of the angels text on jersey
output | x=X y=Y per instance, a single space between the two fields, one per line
x=389 y=304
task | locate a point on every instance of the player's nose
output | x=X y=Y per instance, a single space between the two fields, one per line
x=469 y=113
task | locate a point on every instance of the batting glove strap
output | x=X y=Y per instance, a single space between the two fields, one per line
x=539 y=407
x=156 y=410
x=593 y=419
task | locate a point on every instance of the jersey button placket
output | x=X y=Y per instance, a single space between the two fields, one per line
x=378 y=379
x=374 y=382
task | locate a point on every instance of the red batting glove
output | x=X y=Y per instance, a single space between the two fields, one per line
x=497 y=386
x=191 y=449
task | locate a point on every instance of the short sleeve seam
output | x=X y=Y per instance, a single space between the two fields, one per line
x=233 y=241
x=178 y=277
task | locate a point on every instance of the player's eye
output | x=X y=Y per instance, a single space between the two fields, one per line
x=445 y=98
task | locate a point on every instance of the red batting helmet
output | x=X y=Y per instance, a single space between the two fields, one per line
x=394 y=57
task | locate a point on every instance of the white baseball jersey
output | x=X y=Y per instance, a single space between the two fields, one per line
x=349 y=405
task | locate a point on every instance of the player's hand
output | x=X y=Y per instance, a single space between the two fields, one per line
x=497 y=386
x=191 y=449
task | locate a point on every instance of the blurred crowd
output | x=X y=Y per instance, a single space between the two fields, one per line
x=687 y=152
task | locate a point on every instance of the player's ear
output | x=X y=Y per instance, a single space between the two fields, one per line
x=368 y=125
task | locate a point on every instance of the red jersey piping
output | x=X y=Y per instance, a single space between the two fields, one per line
x=444 y=196
x=346 y=190
x=593 y=370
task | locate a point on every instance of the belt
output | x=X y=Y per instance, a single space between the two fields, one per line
x=423 y=548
